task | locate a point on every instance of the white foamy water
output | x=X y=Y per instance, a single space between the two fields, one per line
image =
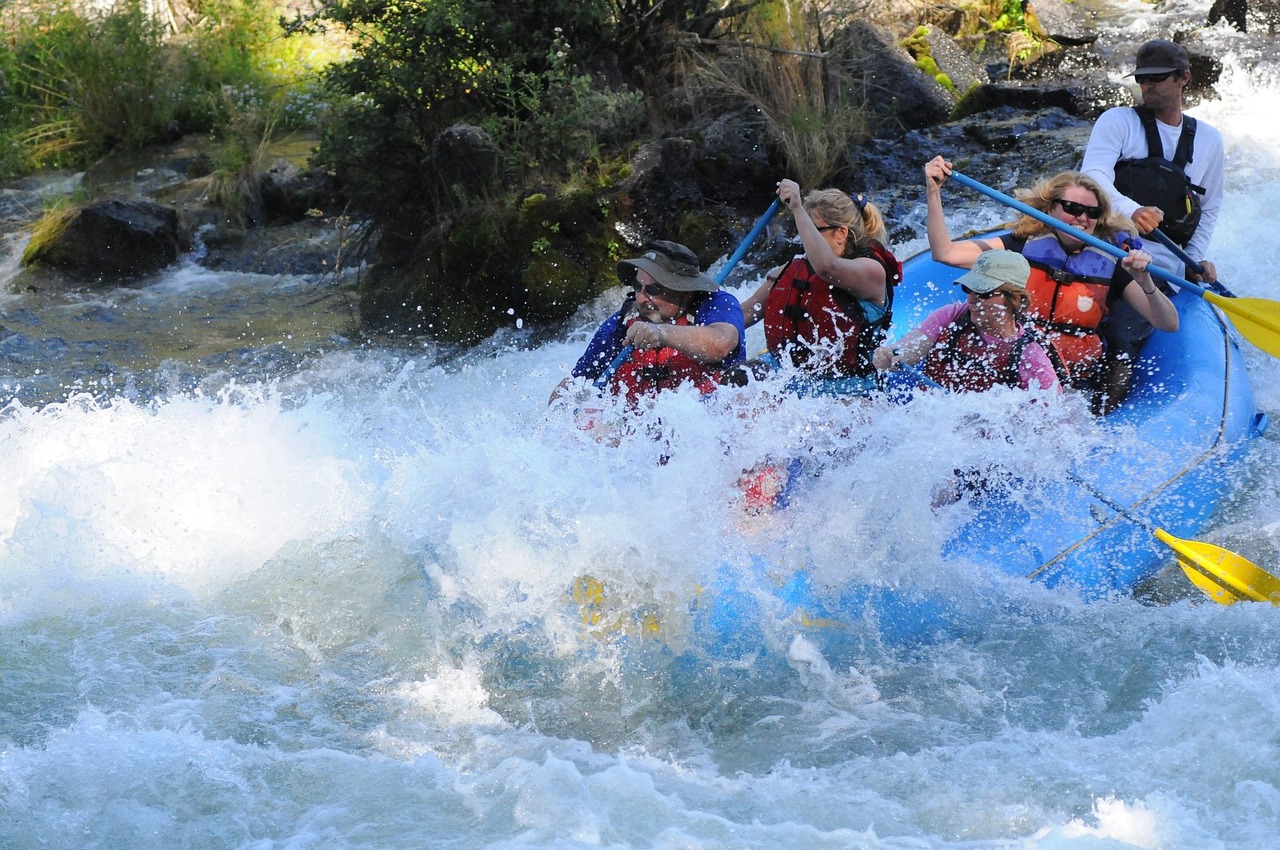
x=334 y=610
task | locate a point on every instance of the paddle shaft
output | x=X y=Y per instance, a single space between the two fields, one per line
x=1111 y=503
x=1088 y=239
x=743 y=247
x=1194 y=265
x=1188 y=556
x=749 y=240
x=913 y=371
x=1176 y=249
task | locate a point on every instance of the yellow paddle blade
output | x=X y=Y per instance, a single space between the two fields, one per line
x=1257 y=319
x=1226 y=577
x=602 y=614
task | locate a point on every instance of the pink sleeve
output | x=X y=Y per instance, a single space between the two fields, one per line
x=1036 y=370
x=935 y=322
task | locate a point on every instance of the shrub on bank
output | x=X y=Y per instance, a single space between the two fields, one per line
x=80 y=82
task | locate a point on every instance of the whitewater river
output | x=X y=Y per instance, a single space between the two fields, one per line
x=262 y=586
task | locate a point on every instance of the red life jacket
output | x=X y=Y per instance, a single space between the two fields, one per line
x=822 y=327
x=963 y=360
x=1068 y=301
x=646 y=373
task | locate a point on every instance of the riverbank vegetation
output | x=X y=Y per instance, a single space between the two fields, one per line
x=79 y=81
x=558 y=85
x=557 y=97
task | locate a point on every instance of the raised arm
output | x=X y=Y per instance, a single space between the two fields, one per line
x=861 y=276
x=961 y=254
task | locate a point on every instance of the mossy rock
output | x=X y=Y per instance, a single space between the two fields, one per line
x=531 y=262
x=572 y=253
x=928 y=65
x=48 y=231
x=709 y=233
x=107 y=241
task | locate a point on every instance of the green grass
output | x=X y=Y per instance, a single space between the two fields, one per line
x=80 y=84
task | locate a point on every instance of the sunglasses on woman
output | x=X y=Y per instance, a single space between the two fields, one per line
x=1075 y=209
x=983 y=296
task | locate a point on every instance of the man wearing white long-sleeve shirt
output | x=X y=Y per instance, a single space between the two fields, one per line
x=1177 y=187
x=1163 y=72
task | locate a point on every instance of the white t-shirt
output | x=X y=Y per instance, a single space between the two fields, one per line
x=1118 y=134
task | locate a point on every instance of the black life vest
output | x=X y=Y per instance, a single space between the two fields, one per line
x=823 y=328
x=962 y=360
x=1157 y=182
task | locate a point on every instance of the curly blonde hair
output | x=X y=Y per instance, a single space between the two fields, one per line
x=1042 y=196
x=855 y=212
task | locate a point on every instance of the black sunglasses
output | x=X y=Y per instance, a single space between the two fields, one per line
x=652 y=290
x=983 y=296
x=827 y=227
x=1073 y=208
x=1143 y=79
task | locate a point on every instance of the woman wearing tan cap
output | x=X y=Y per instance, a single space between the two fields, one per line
x=978 y=343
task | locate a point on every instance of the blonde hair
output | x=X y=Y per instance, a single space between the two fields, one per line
x=1042 y=196
x=862 y=217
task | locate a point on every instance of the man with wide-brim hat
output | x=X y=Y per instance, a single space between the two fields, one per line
x=670 y=264
x=683 y=318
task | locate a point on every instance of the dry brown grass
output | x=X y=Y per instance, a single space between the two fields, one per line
x=783 y=67
x=809 y=118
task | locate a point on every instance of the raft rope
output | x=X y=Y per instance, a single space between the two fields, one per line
x=1172 y=480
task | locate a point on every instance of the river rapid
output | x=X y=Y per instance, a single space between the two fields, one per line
x=263 y=585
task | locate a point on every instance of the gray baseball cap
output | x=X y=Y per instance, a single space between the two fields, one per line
x=1161 y=56
x=995 y=269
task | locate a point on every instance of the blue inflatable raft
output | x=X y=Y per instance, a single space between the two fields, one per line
x=1192 y=404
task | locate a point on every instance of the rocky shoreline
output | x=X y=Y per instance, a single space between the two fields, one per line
x=703 y=186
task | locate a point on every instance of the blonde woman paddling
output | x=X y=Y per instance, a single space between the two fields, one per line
x=826 y=310
x=1072 y=284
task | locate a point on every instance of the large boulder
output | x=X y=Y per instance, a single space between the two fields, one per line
x=464 y=162
x=901 y=96
x=733 y=163
x=291 y=194
x=108 y=241
x=314 y=247
x=1066 y=23
x=1264 y=15
x=958 y=66
x=1085 y=100
x=663 y=182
